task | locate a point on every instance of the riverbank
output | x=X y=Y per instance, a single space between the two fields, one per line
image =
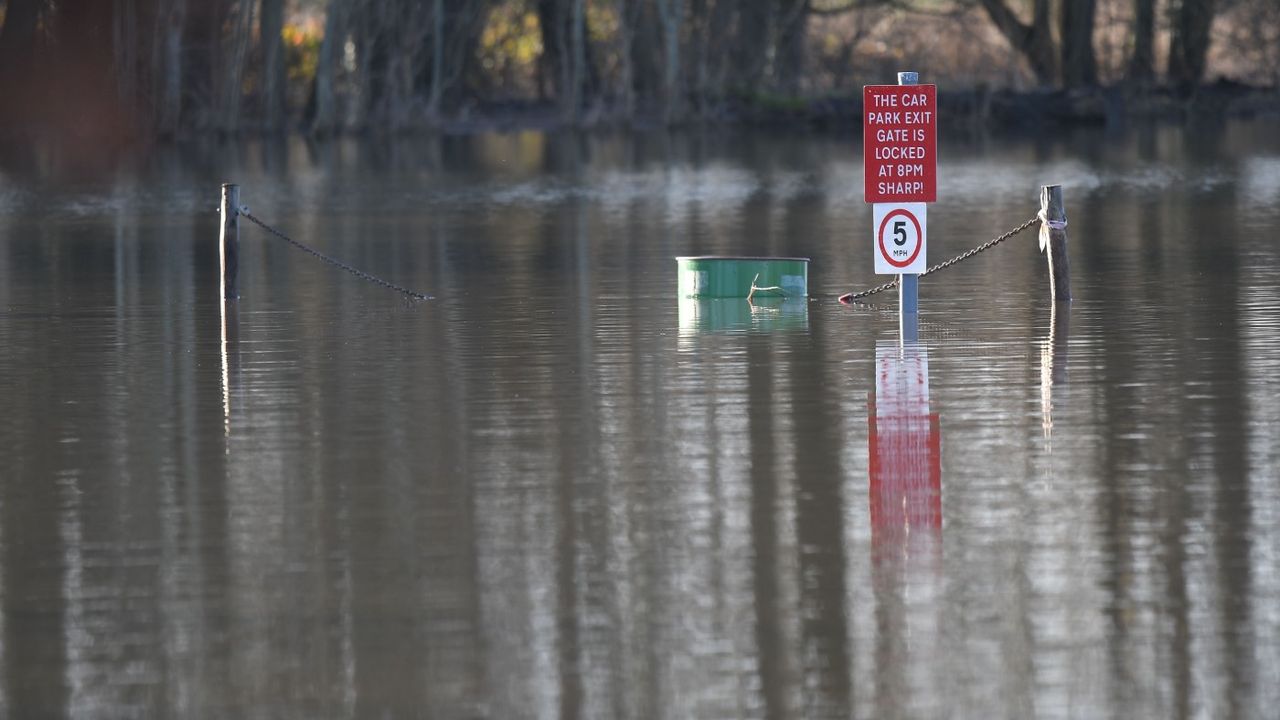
x=1034 y=108
x=981 y=106
x=95 y=148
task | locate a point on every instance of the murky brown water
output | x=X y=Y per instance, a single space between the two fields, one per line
x=555 y=491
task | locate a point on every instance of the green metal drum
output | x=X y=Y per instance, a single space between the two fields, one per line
x=718 y=276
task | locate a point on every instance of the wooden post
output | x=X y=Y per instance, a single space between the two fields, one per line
x=1053 y=240
x=908 y=285
x=229 y=243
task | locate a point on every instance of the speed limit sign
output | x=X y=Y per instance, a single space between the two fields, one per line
x=899 y=238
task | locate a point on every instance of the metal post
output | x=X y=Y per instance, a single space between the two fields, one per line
x=1053 y=240
x=229 y=243
x=908 y=285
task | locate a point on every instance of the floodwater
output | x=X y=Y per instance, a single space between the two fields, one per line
x=554 y=490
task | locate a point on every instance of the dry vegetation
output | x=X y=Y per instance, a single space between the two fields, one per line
x=169 y=67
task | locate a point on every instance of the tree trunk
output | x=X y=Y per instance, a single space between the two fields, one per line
x=672 y=16
x=1034 y=41
x=701 y=13
x=578 y=62
x=324 y=119
x=169 y=110
x=646 y=57
x=435 y=92
x=18 y=34
x=789 y=48
x=1142 y=63
x=124 y=43
x=273 y=81
x=375 y=46
x=626 y=68
x=458 y=24
x=748 y=57
x=84 y=99
x=1189 y=44
x=1079 y=64
x=232 y=70
x=19 y=57
x=720 y=47
x=551 y=62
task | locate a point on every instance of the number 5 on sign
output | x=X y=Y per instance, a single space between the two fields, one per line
x=899 y=231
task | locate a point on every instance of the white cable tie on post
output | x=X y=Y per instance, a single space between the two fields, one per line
x=1053 y=224
x=243 y=210
x=1046 y=225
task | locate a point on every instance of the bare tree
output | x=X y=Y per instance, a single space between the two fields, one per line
x=627 y=17
x=22 y=21
x=394 y=64
x=435 y=91
x=230 y=74
x=789 y=50
x=20 y=51
x=671 y=14
x=1142 y=63
x=124 y=42
x=390 y=43
x=563 y=66
x=270 y=27
x=324 y=116
x=552 y=60
x=748 y=46
x=456 y=28
x=1034 y=40
x=1252 y=31
x=576 y=75
x=169 y=70
x=1079 y=63
x=701 y=19
x=1189 y=43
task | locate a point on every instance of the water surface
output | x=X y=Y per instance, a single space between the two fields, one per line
x=556 y=491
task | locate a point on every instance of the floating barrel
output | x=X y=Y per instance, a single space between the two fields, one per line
x=720 y=276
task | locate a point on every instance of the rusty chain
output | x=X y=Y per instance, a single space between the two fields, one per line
x=244 y=212
x=850 y=297
x=846 y=298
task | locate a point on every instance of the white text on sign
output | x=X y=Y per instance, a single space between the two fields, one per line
x=900 y=143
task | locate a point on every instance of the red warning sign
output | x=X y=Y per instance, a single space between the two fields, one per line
x=900 y=143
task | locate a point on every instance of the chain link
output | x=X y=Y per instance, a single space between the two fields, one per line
x=846 y=298
x=850 y=297
x=244 y=212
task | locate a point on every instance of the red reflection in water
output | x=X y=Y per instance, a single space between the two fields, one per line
x=905 y=449
x=906 y=476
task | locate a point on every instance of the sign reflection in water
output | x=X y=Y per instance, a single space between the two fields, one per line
x=905 y=454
